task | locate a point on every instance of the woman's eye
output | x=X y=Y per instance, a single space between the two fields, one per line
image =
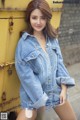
x=34 y=17
x=43 y=18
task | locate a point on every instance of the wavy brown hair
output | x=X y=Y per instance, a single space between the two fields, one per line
x=43 y=6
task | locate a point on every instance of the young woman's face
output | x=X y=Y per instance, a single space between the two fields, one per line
x=37 y=20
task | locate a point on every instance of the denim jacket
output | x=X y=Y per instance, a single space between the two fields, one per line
x=40 y=73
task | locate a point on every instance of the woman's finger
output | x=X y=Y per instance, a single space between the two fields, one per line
x=61 y=99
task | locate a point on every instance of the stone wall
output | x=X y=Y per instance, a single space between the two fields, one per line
x=69 y=33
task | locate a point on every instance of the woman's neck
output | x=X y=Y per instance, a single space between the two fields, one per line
x=39 y=35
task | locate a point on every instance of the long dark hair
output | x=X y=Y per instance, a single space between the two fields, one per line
x=43 y=6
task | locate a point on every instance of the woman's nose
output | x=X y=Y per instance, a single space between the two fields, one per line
x=38 y=21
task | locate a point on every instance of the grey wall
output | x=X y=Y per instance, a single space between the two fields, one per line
x=69 y=33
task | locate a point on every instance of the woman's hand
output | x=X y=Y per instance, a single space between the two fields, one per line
x=63 y=94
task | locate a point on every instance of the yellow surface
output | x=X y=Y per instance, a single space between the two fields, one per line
x=8 y=41
x=9 y=36
x=11 y=88
x=1 y=83
x=22 y=4
x=55 y=21
x=13 y=14
x=3 y=37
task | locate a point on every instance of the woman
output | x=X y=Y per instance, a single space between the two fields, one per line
x=39 y=65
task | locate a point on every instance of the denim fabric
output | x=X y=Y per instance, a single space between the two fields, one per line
x=40 y=73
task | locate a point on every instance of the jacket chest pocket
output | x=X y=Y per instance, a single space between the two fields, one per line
x=34 y=60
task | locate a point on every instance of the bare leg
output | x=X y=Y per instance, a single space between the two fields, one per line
x=65 y=112
x=27 y=115
x=40 y=114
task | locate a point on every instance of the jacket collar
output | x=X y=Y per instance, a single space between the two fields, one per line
x=25 y=35
x=49 y=42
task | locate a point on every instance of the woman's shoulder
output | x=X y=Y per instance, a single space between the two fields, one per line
x=25 y=43
x=24 y=39
x=24 y=36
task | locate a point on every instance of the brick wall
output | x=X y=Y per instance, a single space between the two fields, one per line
x=69 y=33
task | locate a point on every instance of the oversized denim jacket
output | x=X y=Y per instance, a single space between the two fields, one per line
x=40 y=73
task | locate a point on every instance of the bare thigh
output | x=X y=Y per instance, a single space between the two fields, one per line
x=27 y=115
x=65 y=112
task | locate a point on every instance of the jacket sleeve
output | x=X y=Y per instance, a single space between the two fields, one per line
x=62 y=75
x=30 y=82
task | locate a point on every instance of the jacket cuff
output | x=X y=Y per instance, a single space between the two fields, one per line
x=65 y=80
x=41 y=102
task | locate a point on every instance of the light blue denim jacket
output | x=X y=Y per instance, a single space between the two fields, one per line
x=40 y=73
